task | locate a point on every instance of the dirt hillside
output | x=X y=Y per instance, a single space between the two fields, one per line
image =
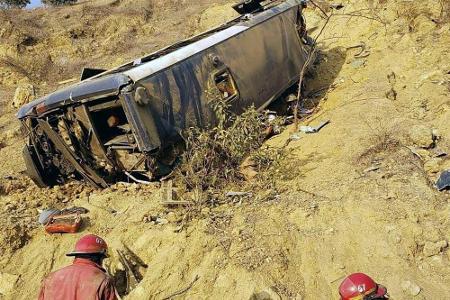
x=358 y=196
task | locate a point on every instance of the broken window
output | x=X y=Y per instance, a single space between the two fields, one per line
x=112 y=125
x=226 y=85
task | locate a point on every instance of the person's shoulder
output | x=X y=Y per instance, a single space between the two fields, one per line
x=60 y=271
x=90 y=269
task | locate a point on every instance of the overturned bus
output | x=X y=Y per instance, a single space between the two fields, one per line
x=119 y=123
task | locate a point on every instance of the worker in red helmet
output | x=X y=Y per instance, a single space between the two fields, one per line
x=85 y=279
x=359 y=286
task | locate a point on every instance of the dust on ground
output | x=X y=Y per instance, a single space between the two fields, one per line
x=357 y=196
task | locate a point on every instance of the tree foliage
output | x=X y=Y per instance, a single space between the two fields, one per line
x=14 y=3
x=58 y=2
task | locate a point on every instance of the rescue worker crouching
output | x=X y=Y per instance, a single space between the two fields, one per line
x=85 y=279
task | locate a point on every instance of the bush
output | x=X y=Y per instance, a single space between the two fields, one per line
x=58 y=2
x=14 y=3
x=212 y=156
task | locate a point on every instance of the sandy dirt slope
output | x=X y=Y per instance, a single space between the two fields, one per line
x=352 y=197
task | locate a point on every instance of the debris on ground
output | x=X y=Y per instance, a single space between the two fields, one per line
x=311 y=129
x=305 y=111
x=420 y=153
x=155 y=219
x=182 y=291
x=295 y=137
x=358 y=62
x=238 y=194
x=238 y=197
x=131 y=279
x=67 y=220
x=169 y=196
x=272 y=127
x=45 y=215
x=130 y=272
x=444 y=181
x=438 y=152
x=372 y=168
x=69 y=223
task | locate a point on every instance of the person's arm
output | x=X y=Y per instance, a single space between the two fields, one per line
x=108 y=290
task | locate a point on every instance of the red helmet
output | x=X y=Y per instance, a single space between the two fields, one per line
x=359 y=286
x=90 y=244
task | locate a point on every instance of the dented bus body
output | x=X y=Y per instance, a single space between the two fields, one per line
x=120 y=123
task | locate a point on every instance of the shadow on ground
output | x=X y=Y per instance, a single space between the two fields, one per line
x=322 y=75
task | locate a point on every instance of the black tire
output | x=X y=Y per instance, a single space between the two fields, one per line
x=33 y=169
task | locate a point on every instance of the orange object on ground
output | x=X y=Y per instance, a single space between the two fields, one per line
x=64 y=224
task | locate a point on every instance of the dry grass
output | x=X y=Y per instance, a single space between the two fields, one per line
x=410 y=12
x=14 y=64
x=53 y=44
x=445 y=11
x=381 y=140
x=213 y=155
x=211 y=162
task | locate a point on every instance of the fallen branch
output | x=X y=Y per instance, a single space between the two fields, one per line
x=320 y=8
x=352 y=14
x=308 y=61
x=180 y=292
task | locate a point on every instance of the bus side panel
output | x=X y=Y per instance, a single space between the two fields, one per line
x=265 y=59
x=179 y=95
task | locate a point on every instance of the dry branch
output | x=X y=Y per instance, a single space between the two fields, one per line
x=182 y=291
x=307 y=63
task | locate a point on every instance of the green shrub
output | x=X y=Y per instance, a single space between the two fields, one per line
x=14 y=3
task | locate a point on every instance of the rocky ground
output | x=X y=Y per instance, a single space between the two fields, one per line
x=357 y=196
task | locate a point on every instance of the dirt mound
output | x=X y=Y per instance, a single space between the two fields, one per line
x=46 y=46
x=357 y=196
x=213 y=16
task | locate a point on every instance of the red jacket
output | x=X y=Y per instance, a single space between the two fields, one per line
x=83 y=280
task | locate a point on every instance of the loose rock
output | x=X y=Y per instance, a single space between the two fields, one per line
x=431 y=249
x=421 y=136
x=411 y=288
x=24 y=94
x=267 y=294
x=432 y=165
x=172 y=217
